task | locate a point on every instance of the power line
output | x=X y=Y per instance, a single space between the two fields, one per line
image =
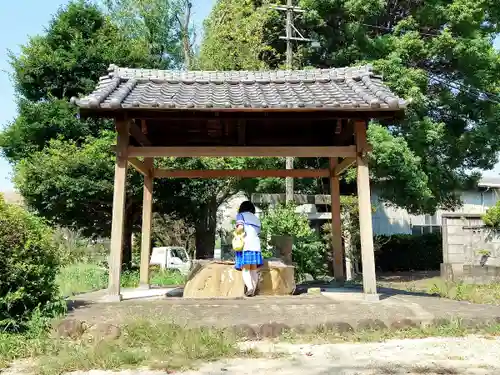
x=392 y=29
x=290 y=10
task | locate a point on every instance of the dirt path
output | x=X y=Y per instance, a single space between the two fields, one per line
x=471 y=355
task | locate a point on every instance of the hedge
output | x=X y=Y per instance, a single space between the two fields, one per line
x=406 y=252
x=28 y=267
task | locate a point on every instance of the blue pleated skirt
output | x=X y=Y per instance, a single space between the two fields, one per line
x=243 y=258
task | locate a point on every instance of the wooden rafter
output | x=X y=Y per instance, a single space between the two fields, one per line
x=221 y=151
x=243 y=173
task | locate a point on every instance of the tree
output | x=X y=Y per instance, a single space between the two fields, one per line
x=163 y=25
x=235 y=36
x=438 y=55
x=63 y=164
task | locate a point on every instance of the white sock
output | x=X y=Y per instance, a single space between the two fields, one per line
x=247 y=279
x=255 y=278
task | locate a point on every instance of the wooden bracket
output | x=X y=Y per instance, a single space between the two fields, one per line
x=342 y=166
x=138 y=133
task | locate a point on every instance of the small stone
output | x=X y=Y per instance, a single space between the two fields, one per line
x=272 y=330
x=70 y=328
x=245 y=331
x=104 y=332
x=314 y=291
x=337 y=327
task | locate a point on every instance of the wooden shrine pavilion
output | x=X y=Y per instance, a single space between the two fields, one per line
x=307 y=113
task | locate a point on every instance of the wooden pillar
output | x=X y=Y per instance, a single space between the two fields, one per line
x=337 y=251
x=118 y=219
x=365 y=214
x=147 y=213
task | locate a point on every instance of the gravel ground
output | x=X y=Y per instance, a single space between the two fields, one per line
x=452 y=356
x=433 y=356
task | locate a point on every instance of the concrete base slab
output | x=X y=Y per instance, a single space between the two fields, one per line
x=144 y=287
x=344 y=294
x=137 y=293
x=370 y=297
x=110 y=298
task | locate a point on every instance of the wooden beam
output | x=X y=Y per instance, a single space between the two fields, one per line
x=139 y=136
x=243 y=173
x=337 y=250
x=139 y=166
x=365 y=214
x=118 y=215
x=147 y=212
x=297 y=198
x=242 y=132
x=221 y=151
x=343 y=165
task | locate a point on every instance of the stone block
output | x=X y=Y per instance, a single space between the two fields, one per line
x=404 y=324
x=371 y=325
x=214 y=279
x=276 y=278
x=335 y=327
x=272 y=330
x=219 y=279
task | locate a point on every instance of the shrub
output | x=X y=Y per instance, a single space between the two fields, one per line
x=406 y=252
x=28 y=268
x=492 y=217
x=308 y=252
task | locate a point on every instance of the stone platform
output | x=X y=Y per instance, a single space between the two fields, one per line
x=264 y=316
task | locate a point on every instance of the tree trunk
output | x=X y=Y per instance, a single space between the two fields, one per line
x=205 y=230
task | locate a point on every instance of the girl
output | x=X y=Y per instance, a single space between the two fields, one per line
x=250 y=259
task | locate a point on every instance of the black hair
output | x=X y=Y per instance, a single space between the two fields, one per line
x=247 y=206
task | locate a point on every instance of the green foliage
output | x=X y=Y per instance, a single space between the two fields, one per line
x=235 y=36
x=77 y=48
x=39 y=123
x=308 y=252
x=73 y=247
x=492 y=217
x=81 y=277
x=153 y=25
x=406 y=252
x=349 y=214
x=28 y=265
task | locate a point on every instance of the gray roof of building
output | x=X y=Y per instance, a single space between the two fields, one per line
x=488 y=181
x=339 y=89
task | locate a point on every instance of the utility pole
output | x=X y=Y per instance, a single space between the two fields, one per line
x=289 y=63
x=289 y=29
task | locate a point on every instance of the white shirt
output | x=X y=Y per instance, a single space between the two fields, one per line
x=251 y=225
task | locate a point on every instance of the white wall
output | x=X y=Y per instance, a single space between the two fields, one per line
x=391 y=220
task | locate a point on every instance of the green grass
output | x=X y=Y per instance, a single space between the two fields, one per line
x=451 y=329
x=86 y=277
x=159 y=345
x=167 y=347
x=475 y=293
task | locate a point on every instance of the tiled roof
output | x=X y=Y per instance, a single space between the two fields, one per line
x=337 y=89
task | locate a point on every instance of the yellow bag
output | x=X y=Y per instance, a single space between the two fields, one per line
x=238 y=241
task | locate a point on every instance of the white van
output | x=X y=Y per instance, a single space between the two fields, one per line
x=172 y=258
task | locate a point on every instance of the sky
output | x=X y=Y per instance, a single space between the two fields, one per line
x=20 y=19
x=23 y=18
